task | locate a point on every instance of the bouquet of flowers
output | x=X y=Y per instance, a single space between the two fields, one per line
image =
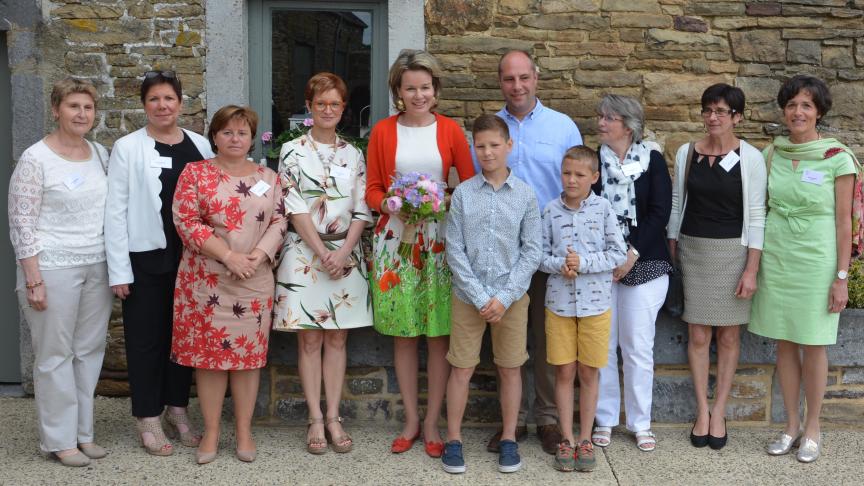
x=417 y=197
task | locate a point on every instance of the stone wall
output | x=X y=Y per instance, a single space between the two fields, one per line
x=663 y=52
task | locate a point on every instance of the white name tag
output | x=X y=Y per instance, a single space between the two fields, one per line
x=813 y=177
x=730 y=161
x=73 y=181
x=631 y=169
x=340 y=172
x=161 y=162
x=260 y=188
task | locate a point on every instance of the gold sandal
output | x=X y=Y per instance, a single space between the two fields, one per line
x=336 y=442
x=315 y=445
x=190 y=438
x=160 y=446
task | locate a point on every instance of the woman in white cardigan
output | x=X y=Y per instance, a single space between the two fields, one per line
x=716 y=231
x=144 y=252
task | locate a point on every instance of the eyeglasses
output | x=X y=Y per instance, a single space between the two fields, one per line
x=163 y=74
x=608 y=118
x=335 y=106
x=720 y=112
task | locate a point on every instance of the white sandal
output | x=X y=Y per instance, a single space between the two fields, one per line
x=601 y=436
x=646 y=441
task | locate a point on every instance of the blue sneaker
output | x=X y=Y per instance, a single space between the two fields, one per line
x=452 y=458
x=508 y=457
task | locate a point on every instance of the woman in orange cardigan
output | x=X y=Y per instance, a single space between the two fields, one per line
x=411 y=288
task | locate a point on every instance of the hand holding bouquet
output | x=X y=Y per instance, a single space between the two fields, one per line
x=416 y=197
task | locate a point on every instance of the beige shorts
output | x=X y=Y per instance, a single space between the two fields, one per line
x=582 y=339
x=509 y=336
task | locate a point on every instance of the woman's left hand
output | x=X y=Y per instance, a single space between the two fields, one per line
x=335 y=262
x=625 y=267
x=838 y=296
x=746 y=285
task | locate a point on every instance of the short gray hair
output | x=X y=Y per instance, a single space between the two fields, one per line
x=628 y=108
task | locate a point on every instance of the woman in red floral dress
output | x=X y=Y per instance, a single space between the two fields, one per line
x=230 y=214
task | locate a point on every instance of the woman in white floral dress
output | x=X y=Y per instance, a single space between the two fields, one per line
x=321 y=285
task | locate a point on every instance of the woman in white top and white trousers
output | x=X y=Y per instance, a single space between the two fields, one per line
x=56 y=208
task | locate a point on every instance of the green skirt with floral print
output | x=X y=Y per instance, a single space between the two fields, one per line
x=410 y=280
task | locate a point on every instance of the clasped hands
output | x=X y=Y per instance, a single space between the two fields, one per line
x=570 y=269
x=243 y=265
x=334 y=262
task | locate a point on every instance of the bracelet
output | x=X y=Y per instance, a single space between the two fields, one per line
x=34 y=284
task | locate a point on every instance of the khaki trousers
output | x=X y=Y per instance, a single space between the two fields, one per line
x=68 y=346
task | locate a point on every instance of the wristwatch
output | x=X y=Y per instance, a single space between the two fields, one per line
x=842 y=274
x=635 y=252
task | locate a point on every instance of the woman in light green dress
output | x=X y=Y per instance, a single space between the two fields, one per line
x=802 y=277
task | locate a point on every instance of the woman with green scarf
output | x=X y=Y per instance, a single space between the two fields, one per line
x=802 y=278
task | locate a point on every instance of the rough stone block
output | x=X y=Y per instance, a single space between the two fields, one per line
x=458 y=17
x=177 y=10
x=602 y=64
x=563 y=6
x=789 y=22
x=804 y=51
x=604 y=79
x=763 y=9
x=648 y=6
x=631 y=35
x=641 y=20
x=734 y=23
x=81 y=11
x=758 y=46
x=758 y=89
x=673 y=89
x=675 y=40
x=564 y=21
x=846 y=13
x=515 y=7
x=109 y=31
x=690 y=24
x=853 y=375
x=605 y=49
x=558 y=63
x=480 y=45
x=845 y=412
x=754 y=70
x=482 y=410
x=365 y=386
x=715 y=8
x=837 y=57
x=815 y=34
x=92 y=64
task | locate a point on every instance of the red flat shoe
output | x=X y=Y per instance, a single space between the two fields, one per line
x=401 y=444
x=434 y=449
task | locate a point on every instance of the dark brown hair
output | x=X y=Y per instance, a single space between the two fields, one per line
x=490 y=123
x=231 y=112
x=584 y=154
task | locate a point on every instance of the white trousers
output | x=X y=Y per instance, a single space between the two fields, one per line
x=68 y=346
x=634 y=313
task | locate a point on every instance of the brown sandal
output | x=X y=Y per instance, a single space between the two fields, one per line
x=160 y=445
x=190 y=438
x=315 y=445
x=336 y=442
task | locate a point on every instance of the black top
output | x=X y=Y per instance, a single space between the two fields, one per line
x=168 y=259
x=715 y=204
x=653 y=207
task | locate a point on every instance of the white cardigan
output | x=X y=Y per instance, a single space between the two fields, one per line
x=754 y=181
x=132 y=210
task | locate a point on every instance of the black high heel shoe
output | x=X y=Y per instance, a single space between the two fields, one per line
x=718 y=443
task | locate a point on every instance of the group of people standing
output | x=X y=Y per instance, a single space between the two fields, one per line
x=209 y=252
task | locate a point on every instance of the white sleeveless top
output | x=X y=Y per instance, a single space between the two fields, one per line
x=417 y=150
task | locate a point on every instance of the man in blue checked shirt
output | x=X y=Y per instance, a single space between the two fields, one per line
x=541 y=137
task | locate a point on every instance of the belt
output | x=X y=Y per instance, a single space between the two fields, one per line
x=333 y=236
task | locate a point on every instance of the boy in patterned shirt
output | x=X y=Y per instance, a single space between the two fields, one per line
x=493 y=249
x=582 y=243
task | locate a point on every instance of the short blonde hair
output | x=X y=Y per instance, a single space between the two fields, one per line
x=70 y=85
x=414 y=60
x=232 y=112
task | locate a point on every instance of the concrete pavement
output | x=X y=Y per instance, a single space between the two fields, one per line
x=282 y=458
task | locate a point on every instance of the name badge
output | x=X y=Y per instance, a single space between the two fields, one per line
x=259 y=188
x=730 y=161
x=73 y=181
x=813 y=177
x=340 y=172
x=161 y=162
x=631 y=169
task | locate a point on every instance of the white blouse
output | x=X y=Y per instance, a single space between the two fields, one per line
x=57 y=207
x=417 y=150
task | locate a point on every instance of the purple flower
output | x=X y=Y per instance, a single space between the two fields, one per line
x=266 y=137
x=394 y=204
x=308 y=122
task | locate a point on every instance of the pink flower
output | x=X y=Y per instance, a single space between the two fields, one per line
x=435 y=205
x=427 y=185
x=266 y=137
x=394 y=204
x=308 y=122
x=426 y=198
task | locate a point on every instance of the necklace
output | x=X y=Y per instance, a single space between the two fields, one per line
x=329 y=160
x=164 y=140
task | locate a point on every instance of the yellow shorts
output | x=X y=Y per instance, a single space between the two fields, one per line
x=509 y=336
x=582 y=339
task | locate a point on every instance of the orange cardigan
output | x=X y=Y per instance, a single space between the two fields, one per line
x=381 y=157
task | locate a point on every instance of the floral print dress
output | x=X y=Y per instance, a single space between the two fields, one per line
x=221 y=323
x=329 y=183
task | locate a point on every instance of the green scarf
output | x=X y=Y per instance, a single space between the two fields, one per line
x=815 y=150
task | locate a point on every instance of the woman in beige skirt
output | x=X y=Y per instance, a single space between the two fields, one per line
x=716 y=232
